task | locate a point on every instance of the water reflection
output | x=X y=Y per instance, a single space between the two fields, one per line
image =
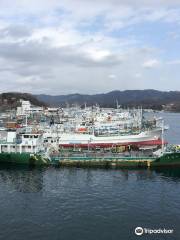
x=32 y=180
x=22 y=178
x=171 y=173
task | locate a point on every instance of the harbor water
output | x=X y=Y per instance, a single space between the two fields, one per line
x=92 y=204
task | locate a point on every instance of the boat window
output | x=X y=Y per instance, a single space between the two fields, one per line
x=26 y=136
x=35 y=136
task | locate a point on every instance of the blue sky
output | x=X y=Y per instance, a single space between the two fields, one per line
x=60 y=47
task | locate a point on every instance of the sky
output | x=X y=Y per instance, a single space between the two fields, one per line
x=89 y=46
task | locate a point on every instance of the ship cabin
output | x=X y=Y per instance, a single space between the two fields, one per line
x=22 y=143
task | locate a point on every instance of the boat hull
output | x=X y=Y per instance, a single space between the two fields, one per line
x=23 y=158
x=86 y=140
x=167 y=160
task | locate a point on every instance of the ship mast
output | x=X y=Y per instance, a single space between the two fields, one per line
x=26 y=122
x=162 y=137
x=141 y=118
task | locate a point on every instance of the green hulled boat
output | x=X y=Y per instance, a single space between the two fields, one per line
x=23 y=158
x=167 y=159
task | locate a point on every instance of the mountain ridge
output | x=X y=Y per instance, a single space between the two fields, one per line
x=148 y=98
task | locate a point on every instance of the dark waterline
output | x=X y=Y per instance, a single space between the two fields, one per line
x=90 y=204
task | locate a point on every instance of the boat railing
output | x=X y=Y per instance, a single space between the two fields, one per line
x=88 y=156
x=58 y=158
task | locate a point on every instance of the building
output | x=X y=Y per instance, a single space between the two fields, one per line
x=26 y=108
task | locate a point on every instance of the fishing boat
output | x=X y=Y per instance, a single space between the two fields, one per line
x=107 y=136
x=144 y=138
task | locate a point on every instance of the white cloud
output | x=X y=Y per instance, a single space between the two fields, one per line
x=151 y=63
x=81 y=46
x=98 y=55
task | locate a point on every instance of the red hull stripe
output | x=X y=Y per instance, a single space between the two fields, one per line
x=143 y=143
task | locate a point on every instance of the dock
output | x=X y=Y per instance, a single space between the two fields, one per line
x=166 y=160
x=107 y=162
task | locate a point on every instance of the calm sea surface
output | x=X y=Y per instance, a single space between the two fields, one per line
x=90 y=204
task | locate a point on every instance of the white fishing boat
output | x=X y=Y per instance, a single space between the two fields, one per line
x=151 y=137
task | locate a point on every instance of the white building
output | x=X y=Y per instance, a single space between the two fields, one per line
x=26 y=108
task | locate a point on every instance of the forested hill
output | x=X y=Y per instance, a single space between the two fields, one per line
x=153 y=99
x=11 y=100
x=146 y=98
